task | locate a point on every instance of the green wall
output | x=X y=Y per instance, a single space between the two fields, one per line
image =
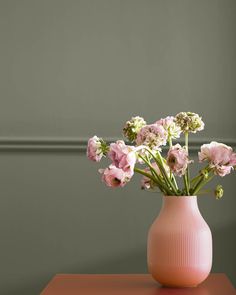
x=70 y=69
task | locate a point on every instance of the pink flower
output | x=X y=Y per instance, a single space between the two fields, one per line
x=220 y=157
x=153 y=135
x=177 y=159
x=122 y=156
x=115 y=177
x=170 y=126
x=95 y=149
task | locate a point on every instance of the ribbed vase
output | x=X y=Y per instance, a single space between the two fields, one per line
x=179 y=249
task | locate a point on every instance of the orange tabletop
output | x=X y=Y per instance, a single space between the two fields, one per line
x=131 y=284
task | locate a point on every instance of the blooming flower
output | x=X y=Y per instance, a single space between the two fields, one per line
x=122 y=156
x=177 y=159
x=158 y=171
x=132 y=127
x=115 y=177
x=153 y=135
x=96 y=148
x=189 y=122
x=170 y=126
x=220 y=157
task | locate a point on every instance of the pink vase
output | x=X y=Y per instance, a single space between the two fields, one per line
x=179 y=250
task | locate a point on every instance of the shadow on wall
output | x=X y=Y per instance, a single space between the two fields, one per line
x=224 y=243
x=135 y=262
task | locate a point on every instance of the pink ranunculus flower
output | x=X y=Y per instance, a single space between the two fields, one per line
x=115 y=177
x=95 y=149
x=170 y=126
x=153 y=135
x=123 y=156
x=221 y=157
x=177 y=160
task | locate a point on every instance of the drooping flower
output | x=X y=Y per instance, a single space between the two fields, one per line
x=177 y=160
x=153 y=136
x=170 y=126
x=146 y=182
x=123 y=156
x=96 y=148
x=221 y=157
x=132 y=127
x=115 y=177
x=189 y=122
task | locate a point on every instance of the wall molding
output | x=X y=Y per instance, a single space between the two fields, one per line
x=66 y=144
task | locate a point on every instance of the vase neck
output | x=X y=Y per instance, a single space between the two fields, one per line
x=180 y=203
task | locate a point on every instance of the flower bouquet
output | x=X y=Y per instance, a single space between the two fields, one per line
x=179 y=246
x=144 y=155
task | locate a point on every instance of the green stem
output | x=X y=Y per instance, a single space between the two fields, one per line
x=186 y=184
x=186 y=141
x=187 y=174
x=201 y=183
x=153 y=171
x=140 y=171
x=163 y=171
x=196 y=178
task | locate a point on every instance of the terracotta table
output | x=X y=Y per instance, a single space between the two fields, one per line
x=131 y=284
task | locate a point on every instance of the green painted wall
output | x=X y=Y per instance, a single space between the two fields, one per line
x=71 y=69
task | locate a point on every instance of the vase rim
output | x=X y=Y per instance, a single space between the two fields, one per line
x=166 y=196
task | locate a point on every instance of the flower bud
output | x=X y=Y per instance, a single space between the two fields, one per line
x=219 y=191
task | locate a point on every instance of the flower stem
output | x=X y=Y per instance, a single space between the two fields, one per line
x=159 y=162
x=155 y=175
x=187 y=174
x=202 y=181
x=197 y=178
x=163 y=171
x=140 y=171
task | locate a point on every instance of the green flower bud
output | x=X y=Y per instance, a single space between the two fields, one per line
x=219 y=191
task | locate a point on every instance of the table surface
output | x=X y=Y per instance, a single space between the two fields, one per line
x=131 y=284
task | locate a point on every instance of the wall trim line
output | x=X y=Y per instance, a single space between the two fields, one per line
x=66 y=144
